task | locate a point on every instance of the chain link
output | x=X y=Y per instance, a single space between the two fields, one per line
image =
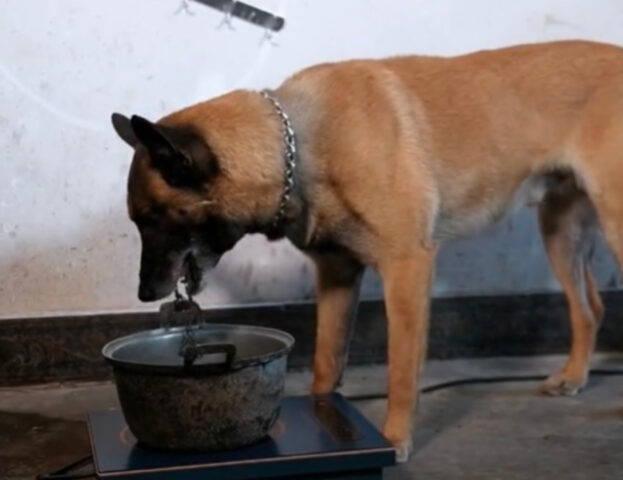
x=289 y=156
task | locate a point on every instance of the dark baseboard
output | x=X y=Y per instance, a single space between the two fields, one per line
x=68 y=348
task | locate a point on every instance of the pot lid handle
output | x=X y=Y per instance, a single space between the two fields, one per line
x=192 y=351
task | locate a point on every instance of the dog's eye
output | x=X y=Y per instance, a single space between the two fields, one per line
x=182 y=212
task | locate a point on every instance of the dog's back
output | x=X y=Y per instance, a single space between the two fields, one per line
x=506 y=117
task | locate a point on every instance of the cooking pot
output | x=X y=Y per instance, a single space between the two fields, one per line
x=203 y=387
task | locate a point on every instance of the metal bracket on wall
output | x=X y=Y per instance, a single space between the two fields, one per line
x=246 y=12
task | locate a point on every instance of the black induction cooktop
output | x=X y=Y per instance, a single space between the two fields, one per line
x=315 y=437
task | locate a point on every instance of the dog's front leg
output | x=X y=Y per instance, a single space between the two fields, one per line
x=337 y=289
x=407 y=282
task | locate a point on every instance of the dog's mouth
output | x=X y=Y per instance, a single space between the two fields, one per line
x=191 y=274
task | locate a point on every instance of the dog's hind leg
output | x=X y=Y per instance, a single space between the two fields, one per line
x=594 y=298
x=338 y=280
x=568 y=225
x=599 y=160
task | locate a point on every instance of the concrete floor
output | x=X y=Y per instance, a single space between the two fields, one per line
x=496 y=431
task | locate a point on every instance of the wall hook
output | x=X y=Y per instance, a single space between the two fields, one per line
x=269 y=32
x=184 y=7
x=226 y=21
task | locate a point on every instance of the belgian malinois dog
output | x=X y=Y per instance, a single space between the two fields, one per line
x=376 y=163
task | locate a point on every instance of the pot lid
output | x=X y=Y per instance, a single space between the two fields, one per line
x=213 y=347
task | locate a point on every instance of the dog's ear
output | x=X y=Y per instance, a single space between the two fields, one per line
x=123 y=127
x=152 y=137
x=167 y=152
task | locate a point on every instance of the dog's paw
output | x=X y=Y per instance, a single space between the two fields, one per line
x=401 y=440
x=563 y=383
x=403 y=450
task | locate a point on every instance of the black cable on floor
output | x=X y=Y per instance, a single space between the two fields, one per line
x=70 y=472
x=479 y=381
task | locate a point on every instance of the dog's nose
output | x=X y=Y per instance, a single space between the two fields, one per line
x=146 y=293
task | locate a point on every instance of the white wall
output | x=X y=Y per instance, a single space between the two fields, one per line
x=65 y=65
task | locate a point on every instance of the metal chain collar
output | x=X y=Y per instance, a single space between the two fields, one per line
x=289 y=156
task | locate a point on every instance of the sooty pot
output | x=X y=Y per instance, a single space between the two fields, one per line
x=205 y=387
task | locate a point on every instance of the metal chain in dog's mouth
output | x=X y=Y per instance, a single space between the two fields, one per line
x=188 y=347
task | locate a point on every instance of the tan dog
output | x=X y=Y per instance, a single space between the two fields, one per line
x=392 y=157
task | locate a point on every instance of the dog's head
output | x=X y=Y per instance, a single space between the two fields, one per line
x=170 y=177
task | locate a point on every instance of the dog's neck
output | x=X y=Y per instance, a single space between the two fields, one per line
x=290 y=219
x=263 y=194
x=279 y=223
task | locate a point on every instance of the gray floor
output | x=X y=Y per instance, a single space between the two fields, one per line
x=497 y=431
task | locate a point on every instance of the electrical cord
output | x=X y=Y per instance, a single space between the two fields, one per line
x=68 y=472
x=480 y=380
